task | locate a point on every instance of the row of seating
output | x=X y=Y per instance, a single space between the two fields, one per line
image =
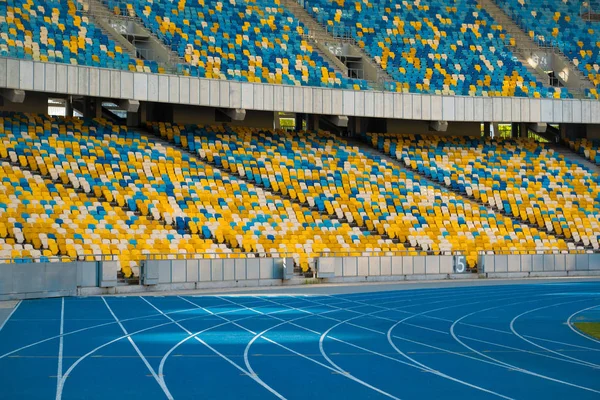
x=322 y=171
x=588 y=148
x=435 y=47
x=43 y=219
x=561 y=23
x=59 y=31
x=523 y=178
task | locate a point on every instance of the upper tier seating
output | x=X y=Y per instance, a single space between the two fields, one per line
x=434 y=47
x=120 y=167
x=558 y=22
x=245 y=40
x=523 y=178
x=589 y=149
x=57 y=31
x=325 y=172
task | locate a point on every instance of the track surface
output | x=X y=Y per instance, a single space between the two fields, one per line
x=511 y=341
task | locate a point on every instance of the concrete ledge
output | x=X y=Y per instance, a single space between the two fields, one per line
x=494 y=275
x=396 y=278
x=37 y=295
x=583 y=273
x=540 y=274
x=169 y=287
x=298 y=281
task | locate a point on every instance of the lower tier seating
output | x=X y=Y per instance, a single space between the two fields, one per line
x=200 y=210
x=322 y=171
x=523 y=178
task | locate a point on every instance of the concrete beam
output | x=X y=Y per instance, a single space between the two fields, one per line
x=129 y=105
x=13 y=95
x=340 y=121
x=438 y=126
x=540 y=127
x=236 y=114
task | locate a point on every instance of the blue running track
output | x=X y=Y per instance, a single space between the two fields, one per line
x=508 y=341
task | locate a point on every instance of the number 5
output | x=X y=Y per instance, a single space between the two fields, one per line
x=459 y=264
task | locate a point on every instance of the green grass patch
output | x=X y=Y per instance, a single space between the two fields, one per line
x=589 y=328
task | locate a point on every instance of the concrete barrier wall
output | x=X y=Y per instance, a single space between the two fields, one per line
x=34 y=280
x=161 y=88
x=387 y=266
x=26 y=280
x=536 y=263
x=218 y=270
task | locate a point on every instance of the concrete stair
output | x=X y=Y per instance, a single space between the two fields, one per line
x=101 y=16
x=316 y=38
x=319 y=36
x=569 y=154
x=525 y=47
x=105 y=18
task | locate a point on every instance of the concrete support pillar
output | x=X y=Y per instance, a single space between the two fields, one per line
x=496 y=127
x=92 y=108
x=312 y=123
x=299 y=122
x=486 y=129
x=69 y=107
x=523 y=130
x=515 y=130
x=143 y=111
x=563 y=132
x=276 y=119
x=133 y=119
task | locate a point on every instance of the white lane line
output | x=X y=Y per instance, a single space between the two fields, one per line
x=507 y=365
x=137 y=350
x=217 y=352
x=426 y=328
x=563 y=343
x=127 y=335
x=396 y=296
x=577 y=331
x=517 y=349
x=60 y=348
x=485 y=328
x=172 y=349
x=565 y=356
x=434 y=347
x=417 y=366
x=10 y=315
x=80 y=359
x=406 y=356
x=98 y=326
x=261 y=335
x=390 y=337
